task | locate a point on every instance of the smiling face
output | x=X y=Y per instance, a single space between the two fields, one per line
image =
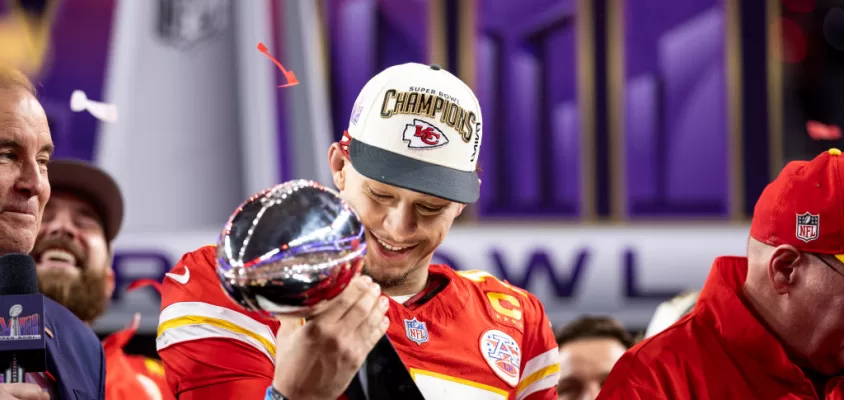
x=25 y=149
x=72 y=254
x=403 y=228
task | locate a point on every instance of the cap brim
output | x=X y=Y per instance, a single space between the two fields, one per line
x=419 y=176
x=840 y=257
x=93 y=185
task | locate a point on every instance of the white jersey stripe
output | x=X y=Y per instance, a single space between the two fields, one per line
x=550 y=357
x=199 y=309
x=186 y=333
x=186 y=321
x=547 y=382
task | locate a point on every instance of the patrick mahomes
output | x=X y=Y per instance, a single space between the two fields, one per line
x=408 y=165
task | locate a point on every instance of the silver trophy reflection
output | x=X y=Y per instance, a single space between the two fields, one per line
x=292 y=246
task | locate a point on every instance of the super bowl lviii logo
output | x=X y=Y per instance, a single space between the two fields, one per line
x=19 y=327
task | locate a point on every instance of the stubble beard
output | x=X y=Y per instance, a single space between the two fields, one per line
x=386 y=277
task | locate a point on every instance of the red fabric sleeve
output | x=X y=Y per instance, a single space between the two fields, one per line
x=216 y=368
x=214 y=348
x=542 y=367
x=630 y=379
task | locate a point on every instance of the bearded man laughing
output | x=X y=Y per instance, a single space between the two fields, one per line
x=73 y=252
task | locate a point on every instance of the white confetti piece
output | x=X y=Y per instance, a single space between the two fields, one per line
x=102 y=111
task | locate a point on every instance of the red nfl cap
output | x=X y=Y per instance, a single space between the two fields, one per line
x=804 y=206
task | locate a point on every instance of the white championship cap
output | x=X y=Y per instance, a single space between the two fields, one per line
x=418 y=127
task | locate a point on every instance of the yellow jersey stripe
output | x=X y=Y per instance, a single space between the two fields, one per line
x=218 y=323
x=540 y=361
x=188 y=333
x=538 y=376
x=200 y=309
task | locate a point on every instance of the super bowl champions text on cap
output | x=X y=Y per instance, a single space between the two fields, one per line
x=421 y=101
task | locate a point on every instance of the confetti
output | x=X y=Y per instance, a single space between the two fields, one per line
x=820 y=131
x=102 y=111
x=291 y=78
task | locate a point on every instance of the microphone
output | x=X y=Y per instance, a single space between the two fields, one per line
x=22 y=341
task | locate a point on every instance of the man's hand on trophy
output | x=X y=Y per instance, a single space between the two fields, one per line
x=319 y=359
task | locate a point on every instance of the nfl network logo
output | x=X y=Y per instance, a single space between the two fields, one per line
x=416 y=331
x=808 y=227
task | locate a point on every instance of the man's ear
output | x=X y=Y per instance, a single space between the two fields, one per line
x=781 y=268
x=336 y=161
x=109 y=283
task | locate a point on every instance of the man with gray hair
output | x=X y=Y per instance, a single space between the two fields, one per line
x=75 y=367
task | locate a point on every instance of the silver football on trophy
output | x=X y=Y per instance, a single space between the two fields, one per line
x=289 y=247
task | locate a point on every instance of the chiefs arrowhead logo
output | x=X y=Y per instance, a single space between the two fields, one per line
x=422 y=135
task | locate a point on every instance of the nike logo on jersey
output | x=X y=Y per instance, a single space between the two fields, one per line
x=183 y=278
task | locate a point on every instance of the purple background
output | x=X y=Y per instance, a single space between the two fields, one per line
x=365 y=37
x=675 y=105
x=77 y=57
x=675 y=108
x=527 y=89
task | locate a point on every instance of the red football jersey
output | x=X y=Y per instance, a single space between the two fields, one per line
x=477 y=338
x=132 y=377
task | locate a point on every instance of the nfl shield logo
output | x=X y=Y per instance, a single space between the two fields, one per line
x=808 y=227
x=416 y=331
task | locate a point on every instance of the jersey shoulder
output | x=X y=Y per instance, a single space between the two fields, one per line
x=199 y=265
x=506 y=303
x=194 y=278
x=486 y=282
x=195 y=307
x=520 y=314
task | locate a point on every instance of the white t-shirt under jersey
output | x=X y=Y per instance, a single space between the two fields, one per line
x=403 y=298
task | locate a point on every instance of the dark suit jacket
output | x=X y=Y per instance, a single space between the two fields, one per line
x=74 y=355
